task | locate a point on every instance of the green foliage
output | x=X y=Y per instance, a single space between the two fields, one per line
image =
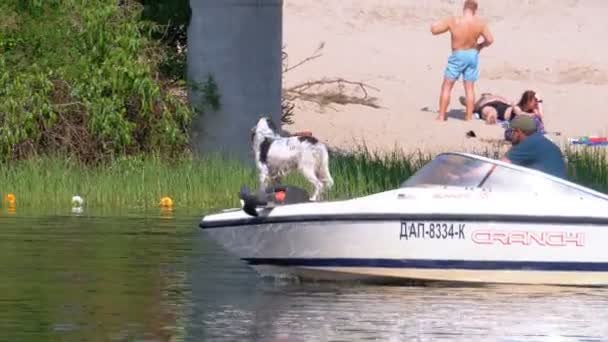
x=174 y=15
x=209 y=96
x=82 y=77
x=172 y=18
x=589 y=166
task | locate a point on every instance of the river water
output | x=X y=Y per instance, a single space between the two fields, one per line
x=150 y=277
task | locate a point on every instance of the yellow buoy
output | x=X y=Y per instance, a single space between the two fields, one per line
x=166 y=202
x=10 y=199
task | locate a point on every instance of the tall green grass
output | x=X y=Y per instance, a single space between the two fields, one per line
x=214 y=182
x=588 y=166
x=131 y=182
x=211 y=182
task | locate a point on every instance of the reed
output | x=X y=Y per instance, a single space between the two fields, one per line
x=213 y=182
x=588 y=166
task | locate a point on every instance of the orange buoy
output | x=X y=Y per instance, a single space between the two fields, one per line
x=166 y=202
x=10 y=199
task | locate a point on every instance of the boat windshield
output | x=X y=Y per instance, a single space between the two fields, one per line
x=466 y=171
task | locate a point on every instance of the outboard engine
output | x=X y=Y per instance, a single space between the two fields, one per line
x=272 y=197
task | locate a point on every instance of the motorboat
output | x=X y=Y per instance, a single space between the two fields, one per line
x=459 y=218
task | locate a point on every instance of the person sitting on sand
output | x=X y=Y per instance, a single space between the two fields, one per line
x=465 y=32
x=530 y=103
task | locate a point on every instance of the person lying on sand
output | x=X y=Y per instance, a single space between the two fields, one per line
x=465 y=31
x=492 y=107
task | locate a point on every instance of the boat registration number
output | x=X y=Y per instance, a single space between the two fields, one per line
x=431 y=231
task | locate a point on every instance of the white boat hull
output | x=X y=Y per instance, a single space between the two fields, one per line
x=495 y=223
x=451 y=251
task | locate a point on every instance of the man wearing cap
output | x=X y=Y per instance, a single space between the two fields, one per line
x=532 y=149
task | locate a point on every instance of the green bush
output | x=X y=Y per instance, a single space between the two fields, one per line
x=173 y=17
x=82 y=78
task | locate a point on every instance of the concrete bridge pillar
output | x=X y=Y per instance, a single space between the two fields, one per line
x=238 y=43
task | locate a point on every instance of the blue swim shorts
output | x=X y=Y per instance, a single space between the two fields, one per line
x=465 y=63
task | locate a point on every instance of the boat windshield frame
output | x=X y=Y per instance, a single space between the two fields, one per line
x=465 y=170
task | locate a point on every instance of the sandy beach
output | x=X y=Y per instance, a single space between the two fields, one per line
x=553 y=47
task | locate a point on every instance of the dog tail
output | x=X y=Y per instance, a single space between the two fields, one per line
x=324 y=173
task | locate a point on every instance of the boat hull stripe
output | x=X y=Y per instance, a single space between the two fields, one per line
x=435 y=264
x=409 y=217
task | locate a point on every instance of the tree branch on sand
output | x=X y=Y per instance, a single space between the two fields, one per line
x=324 y=92
x=335 y=95
x=315 y=55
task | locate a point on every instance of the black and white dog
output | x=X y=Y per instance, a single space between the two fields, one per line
x=277 y=155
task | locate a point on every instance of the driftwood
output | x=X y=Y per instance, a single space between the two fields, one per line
x=331 y=91
x=324 y=92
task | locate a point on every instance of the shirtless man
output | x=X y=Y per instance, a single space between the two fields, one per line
x=464 y=60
